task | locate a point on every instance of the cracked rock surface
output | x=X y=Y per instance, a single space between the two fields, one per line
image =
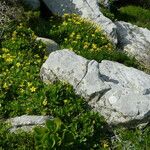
x=27 y=122
x=85 y=8
x=135 y=41
x=121 y=94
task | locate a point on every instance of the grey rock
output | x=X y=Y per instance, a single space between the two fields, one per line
x=121 y=94
x=82 y=74
x=50 y=44
x=64 y=65
x=135 y=41
x=92 y=85
x=34 y=4
x=87 y=9
x=27 y=122
x=129 y=96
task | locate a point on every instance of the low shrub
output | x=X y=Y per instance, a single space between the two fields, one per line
x=10 y=141
x=135 y=139
x=135 y=15
x=81 y=36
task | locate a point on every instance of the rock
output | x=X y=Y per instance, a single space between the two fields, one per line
x=50 y=44
x=135 y=41
x=121 y=94
x=129 y=97
x=34 y=4
x=87 y=9
x=66 y=66
x=26 y=122
x=92 y=86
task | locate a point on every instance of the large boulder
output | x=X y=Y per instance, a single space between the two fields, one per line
x=85 y=8
x=121 y=94
x=135 y=41
x=27 y=122
x=64 y=65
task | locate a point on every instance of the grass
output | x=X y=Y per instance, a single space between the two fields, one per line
x=135 y=15
x=23 y=92
x=81 y=36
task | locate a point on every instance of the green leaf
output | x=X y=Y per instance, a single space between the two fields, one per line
x=58 y=123
x=51 y=126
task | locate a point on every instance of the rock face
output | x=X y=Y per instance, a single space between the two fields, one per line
x=85 y=8
x=50 y=44
x=27 y=123
x=121 y=94
x=135 y=41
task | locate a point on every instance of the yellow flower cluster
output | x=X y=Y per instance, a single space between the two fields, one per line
x=7 y=57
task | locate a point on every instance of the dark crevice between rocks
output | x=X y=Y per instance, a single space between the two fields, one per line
x=86 y=71
x=44 y=10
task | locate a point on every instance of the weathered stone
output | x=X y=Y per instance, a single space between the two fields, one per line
x=135 y=41
x=50 y=44
x=92 y=85
x=129 y=96
x=64 y=65
x=82 y=74
x=87 y=9
x=26 y=122
x=121 y=94
x=34 y=4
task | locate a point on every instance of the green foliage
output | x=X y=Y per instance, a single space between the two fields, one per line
x=11 y=141
x=86 y=131
x=133 y=139
x=134 y=14
x=20 y=60
x=81 y=36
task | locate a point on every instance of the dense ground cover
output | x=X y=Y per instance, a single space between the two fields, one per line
x=22 y=91
x=136 y=15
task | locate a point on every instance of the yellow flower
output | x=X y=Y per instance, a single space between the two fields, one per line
x=9 y=60
x=5 y=50
x=66 y=15
x=97 y=30
x=14 y=34
x=94 y=46
x=40 y=46
x=78 y=37
x=5 y=86
x=105 y=145
x=45 y=57
x=72 y=34
x=93 y=35
x=32 y=89
x=44 y=102
x=74 y=42
x=29 y=84
x=85 y=46
x=38 y=60
x=65 y=101
x=64 y=23
x=18 y=64
x=21 y=90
